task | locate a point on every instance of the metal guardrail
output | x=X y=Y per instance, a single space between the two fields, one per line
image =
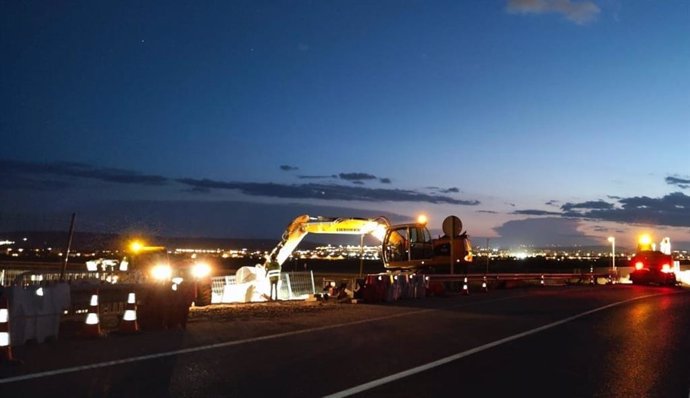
x=9 y=277
x=580 y=277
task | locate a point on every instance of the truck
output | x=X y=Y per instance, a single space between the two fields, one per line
x=651 y=266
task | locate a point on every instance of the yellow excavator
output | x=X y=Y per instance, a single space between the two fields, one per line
x=404 y=246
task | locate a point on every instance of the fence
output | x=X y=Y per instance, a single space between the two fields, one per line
x=292 y=286
x=10 y=277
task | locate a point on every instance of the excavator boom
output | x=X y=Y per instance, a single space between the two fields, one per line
x=304 y=224
x=404 y=246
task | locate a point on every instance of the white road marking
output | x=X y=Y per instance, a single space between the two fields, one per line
x=422 y=368
x=73 y=369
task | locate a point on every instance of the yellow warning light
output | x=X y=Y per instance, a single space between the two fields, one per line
x=645 y=239
x=422 y=219
x=136 y=246
x=644 y=243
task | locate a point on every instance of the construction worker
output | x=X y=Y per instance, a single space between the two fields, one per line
x=273 y=274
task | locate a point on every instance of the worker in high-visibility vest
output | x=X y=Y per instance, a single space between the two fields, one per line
x=273 y=274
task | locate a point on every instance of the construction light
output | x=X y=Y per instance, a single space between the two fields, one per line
x=422 y=219
x=136 y=246
x=161 y=272
x=201 y=270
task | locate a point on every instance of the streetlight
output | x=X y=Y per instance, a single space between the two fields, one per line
x=613 y=252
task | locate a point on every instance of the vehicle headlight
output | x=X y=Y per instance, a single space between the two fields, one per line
x=201 y=270
x=161 y=272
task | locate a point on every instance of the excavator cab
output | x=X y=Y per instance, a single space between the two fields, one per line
x=407 y=246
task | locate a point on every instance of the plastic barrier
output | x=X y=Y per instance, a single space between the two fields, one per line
x=392 y=289
x=5 y=346
x=418 y=286
x=375 y=288
x=35 y=311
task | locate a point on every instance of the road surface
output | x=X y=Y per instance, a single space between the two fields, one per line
x=613 y=341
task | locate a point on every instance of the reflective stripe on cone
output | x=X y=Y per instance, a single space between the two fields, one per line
x=92 y=324
x=129 y=322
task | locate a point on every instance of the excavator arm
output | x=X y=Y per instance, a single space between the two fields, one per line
x=304 y=224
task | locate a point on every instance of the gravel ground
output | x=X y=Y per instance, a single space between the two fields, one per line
x=273 y=310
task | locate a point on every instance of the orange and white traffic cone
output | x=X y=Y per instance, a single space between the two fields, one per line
x=465 y=287
x=541 y=281
x=92 y=324
x=485 y=286
x=5 y=347
x=129 y=322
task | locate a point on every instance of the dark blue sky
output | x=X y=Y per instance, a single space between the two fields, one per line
x=573 y=113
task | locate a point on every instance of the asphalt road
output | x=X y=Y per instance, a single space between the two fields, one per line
x=612 y=341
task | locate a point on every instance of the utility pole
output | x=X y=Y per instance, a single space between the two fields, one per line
x=361 y=255
x=69 y=246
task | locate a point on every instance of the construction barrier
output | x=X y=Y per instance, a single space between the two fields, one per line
x=166 y=306
x=376 y=288
x=5 y=346
x=35 y=311
x=250 y=284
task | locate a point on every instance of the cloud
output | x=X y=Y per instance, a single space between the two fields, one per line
x=670 y=210
x=442 y=190
x=579 y=12
x=536 y=213
x=593 y=204
x=30 y=183
x=81 y=170
x=325 y=192
x=552 y=202
x=286 y=167
x=356 y=176
x=385 y=180
x=544 y=232
x=683 y=183
x=487 y=211
x=303 y=177
x=189 y=218
x=612 y=197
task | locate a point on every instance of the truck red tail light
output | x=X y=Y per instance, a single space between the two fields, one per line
x=639 y=265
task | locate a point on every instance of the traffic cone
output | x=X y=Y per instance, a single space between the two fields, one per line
x=485 y=286
x=541 y=281
x=465 y=288
x=129 y=322
x=5 y=347
x=92 y=324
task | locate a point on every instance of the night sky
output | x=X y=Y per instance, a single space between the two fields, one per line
x=535 y=121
